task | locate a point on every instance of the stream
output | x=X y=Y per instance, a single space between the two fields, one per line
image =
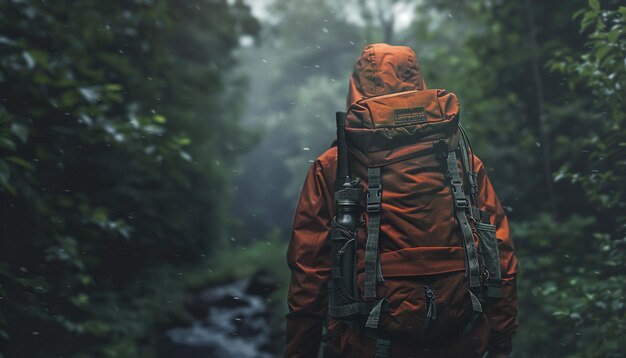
x=230 y=320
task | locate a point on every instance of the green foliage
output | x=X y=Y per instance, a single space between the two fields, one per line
x=113 y=125
x=601 y=70
x=541 y=88
x=119 y=136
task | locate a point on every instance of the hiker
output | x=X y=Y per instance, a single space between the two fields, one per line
x=406 y=252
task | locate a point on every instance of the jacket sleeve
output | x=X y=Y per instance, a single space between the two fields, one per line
x=308 y=257
x=502 y=314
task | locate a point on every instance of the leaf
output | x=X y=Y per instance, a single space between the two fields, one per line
x=159 y=119
x=20 y=131
x=30 y=61
x=186 y=156
x=21 y=162
x=183 y=141
x=601 y=52
x=80 y=299
x=7 y=41
x=613 y=35
x=10 y=189
x=578 y=13
x=594 y=4
x=5 y=172
x=113 y=87
x=7 y=143
x=589 y=18
x=90 y=94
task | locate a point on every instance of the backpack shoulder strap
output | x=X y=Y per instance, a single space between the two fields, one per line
x=467 y=158
x=373 y=272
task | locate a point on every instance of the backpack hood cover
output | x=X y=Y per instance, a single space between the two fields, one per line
x=391 y=115
x=384 y=69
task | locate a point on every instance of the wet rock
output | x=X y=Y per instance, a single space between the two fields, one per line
x=232 y=320
x=263 y=284
x=199 y=303
x=232 y=302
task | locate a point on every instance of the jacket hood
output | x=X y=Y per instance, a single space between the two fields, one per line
x=383 y=69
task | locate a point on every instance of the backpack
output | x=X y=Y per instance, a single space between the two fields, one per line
x=412 y=255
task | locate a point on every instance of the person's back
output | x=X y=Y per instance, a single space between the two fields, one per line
x=419 y=244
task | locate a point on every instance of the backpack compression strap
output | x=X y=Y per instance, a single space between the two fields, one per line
x=468 y=167
x=373 y=273
x=461 y=206
x=467 y=158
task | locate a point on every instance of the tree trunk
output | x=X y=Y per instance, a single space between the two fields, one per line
x=544 y=138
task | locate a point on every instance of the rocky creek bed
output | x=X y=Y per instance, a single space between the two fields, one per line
x=229 y=320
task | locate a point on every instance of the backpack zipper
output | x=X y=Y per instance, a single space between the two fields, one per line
x=431 y=308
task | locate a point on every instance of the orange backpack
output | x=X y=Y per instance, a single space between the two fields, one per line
x=412 y=255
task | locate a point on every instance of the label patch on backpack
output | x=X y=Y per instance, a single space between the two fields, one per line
x=404 y=116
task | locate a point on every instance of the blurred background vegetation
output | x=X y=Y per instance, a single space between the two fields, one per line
x=149 y=148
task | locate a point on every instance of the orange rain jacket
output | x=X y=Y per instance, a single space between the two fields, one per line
x=381 y=69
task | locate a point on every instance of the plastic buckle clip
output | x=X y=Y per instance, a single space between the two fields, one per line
x=461 y=203
x=374 y=199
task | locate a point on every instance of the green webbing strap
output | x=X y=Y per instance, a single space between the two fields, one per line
x=461 y=205
x=464 y=155
x=361 y=308
x=382 y=348
x=382 y=345
x=373 y=272
x=374 y=316
x=322 y=349
x=348 y=310
x=467 y=168
x=478 y=309
x=476 y=306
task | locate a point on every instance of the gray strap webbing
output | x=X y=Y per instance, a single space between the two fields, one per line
x=469 y=173
x=464 y=155
x=476 y=306
x=374 y=316
x=382 y=348
x=478 y=309
x=344 y=310
x=373 y=310
x=373 y=272
x=461 y=204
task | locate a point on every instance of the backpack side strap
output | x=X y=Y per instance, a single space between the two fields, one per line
x=461 y=206
x=373 y=272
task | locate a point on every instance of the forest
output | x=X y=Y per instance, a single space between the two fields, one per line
x=151 y=149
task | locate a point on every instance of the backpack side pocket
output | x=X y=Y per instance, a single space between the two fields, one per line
x=488 y=244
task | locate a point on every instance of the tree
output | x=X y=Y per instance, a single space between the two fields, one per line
x=112 y=118
x=595 y=291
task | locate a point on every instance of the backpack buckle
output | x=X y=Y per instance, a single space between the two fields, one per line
x=462 y=203
x=374 y=198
